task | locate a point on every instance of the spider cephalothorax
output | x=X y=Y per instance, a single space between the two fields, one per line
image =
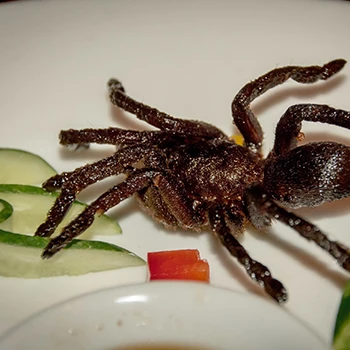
x=188 y=174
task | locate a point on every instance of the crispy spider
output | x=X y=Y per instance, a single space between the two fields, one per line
x=188 y=174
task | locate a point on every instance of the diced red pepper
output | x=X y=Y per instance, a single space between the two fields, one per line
x=196 y=271
x=172 y=257
x=178 y=264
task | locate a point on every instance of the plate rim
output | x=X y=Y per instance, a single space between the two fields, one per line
x=156 y=288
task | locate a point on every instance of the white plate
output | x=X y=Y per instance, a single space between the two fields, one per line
x=187 y=58
x=172 y=313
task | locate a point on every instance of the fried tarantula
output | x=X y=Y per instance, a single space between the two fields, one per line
x=188 y=174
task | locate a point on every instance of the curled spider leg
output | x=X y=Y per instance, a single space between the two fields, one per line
x=245 y=119
x=159 y=119
x=270 y=209
x=74 y=182
x=107 y=200
x=289 y=126
x=257 y=271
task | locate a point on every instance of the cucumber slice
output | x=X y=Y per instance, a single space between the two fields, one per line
x=31 y=204
x=6 y=210
x=21 y=167
x=341 y=338
x=20 y=257
x=23 y=208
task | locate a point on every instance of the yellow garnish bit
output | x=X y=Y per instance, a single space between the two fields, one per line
x=238 y=138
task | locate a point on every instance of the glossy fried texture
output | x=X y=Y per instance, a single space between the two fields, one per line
x=188 y=174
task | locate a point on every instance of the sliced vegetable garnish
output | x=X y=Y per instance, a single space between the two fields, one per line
x=31 y=204
x=178 y=264
x=341 y=339
x=6 y=210
x=24 y=207
x=157 y=260
x=21 y=167
x=20 y=256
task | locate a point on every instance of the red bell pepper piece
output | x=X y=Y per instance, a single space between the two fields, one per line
x=178 y=264
x=171 y=257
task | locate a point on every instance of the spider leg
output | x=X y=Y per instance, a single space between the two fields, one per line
x=135 y=182
x=244 y=118
x=119 y=161
x=255 y=269
x=112 y=136
x=74 y=182
x=307 y=230
x=107 y=200
x=159 y=119
x=289 y=126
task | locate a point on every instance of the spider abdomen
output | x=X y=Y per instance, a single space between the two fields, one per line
x=309 y=175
